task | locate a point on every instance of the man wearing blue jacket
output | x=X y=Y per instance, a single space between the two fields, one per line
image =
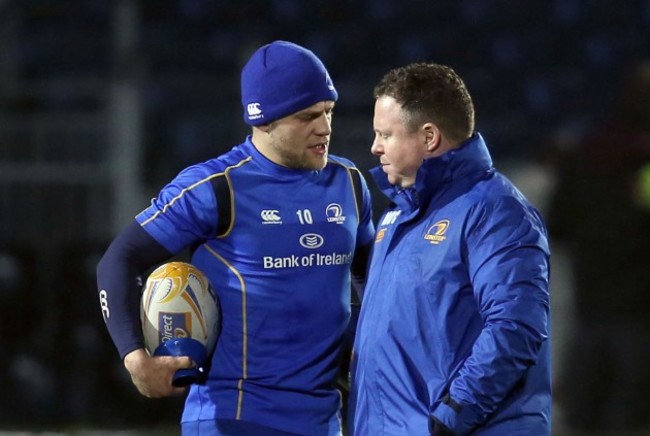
x=453 y=335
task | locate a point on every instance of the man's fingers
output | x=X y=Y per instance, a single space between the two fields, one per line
x=153 y=375
x=186 y=362
x=176 y=362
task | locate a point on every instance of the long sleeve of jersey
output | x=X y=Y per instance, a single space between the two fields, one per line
x=119 y=283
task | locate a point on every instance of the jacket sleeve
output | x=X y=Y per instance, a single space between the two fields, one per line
x=508 y=265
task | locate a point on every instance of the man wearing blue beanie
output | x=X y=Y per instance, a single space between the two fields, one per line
x=282 y=78
x=282 y=229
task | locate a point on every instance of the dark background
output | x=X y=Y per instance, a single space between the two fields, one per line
x=102 y=102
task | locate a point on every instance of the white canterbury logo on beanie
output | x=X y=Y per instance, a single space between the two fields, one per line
x=254 y=111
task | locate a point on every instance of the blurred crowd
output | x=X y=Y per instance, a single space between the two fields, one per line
x=600 y=212
x=560 y=86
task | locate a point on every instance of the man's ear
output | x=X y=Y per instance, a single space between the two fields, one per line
x=432 y=138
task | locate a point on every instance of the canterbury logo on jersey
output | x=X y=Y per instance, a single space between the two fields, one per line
x=270 y=216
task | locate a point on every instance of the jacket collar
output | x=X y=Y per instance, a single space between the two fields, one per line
x=471 y=157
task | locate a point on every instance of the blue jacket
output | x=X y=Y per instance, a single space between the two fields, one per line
x=454 y=321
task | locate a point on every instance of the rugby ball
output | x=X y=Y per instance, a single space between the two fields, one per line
x=178 y=302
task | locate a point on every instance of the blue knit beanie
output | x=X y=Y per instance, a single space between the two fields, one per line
x=281 y=78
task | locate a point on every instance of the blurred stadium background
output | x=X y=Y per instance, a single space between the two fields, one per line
x=101 y=102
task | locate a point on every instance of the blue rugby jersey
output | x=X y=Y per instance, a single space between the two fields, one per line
x=281 y=273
